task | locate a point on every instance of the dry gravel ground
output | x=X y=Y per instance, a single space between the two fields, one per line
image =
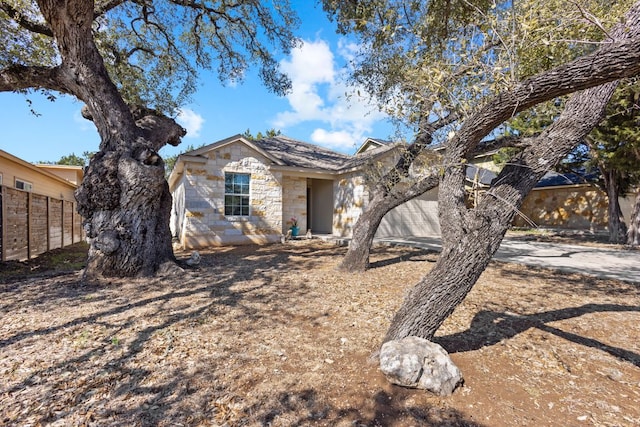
x=274 y=336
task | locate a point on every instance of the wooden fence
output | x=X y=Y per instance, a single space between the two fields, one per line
x=31 y=224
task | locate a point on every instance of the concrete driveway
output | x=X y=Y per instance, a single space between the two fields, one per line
x=607 y=263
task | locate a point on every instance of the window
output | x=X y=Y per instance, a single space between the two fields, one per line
x=236 y=194
x=23 y=185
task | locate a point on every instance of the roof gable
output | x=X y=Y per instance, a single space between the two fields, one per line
x=232 y=140
x=372 y=143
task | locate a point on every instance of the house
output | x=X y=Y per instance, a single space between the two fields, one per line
x=37 y=207
x=239 y=190
x=57 y=181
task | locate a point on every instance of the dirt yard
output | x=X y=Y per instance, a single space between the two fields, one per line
x=274 y=336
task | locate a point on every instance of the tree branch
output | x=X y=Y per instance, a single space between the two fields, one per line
x=25 y=23
x=18 y=77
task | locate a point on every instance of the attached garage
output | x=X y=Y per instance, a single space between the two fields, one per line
x=417 y=217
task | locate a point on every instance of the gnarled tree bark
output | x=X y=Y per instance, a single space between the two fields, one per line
x=124 y=198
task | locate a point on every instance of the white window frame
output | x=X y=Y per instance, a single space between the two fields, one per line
x=237 y=191
x=21 y=184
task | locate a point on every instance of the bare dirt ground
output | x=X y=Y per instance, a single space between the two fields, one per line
x=274 y=336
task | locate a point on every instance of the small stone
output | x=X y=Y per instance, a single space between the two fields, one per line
x=194 y=259
x=582 y=418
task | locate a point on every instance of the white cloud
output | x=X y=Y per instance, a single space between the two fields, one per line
x=320 y=94
x=339 y=140
x=191 y=121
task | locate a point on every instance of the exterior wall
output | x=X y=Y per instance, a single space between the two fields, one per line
x=42 y=183
x=72 y=174
x=572 y=207
x=178 y=212
x=294 y=202
x=205 y=223
x=350 y=197
x=417 y=217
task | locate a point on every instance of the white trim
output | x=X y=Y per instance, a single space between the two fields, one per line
x=26 y=185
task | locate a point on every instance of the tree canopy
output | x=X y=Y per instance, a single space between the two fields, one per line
x=153 y=50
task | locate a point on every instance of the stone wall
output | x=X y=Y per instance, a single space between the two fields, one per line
x=294 y=202
x=204 y=222
x=350 y=198
x=581 y=207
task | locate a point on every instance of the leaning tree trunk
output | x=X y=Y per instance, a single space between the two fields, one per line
x=616 y=225
x=124 y=199
x=357 y=257
x=633 y=234
x=471 y=236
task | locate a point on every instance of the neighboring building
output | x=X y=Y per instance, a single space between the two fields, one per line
x=564 y=200
x=48 y=180
x=238 y=191
x=37 y=207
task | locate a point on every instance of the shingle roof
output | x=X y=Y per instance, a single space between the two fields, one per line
x=302 y=154
x=553 y=178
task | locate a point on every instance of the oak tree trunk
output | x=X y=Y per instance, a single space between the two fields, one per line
x=633 y=236
x=124 y=199
x=616 y=226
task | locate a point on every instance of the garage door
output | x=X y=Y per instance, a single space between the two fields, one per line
x=417 y=217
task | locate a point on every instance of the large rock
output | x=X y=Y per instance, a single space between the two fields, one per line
x=419 y=363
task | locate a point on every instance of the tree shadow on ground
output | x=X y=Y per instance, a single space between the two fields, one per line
x=167 y=302
x=384 y=410
x=414 y=255
x=489 y=328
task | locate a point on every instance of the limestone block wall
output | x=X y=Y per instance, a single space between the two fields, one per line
x=572 y=207
x=294 y=201
x=205 y=223
x=350 y=200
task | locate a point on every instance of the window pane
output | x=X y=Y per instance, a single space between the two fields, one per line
x=236 y=188
x=242 y=179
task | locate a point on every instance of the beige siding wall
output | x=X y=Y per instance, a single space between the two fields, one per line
x=70 y=173
x=42 y=184
x=417 y=217
x=204 y=222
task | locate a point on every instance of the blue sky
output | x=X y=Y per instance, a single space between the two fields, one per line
x=316 y=110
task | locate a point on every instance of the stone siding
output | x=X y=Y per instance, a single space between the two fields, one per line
x=350 y=198
x=204 y=222
x=581 y=207
x=294 y=201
